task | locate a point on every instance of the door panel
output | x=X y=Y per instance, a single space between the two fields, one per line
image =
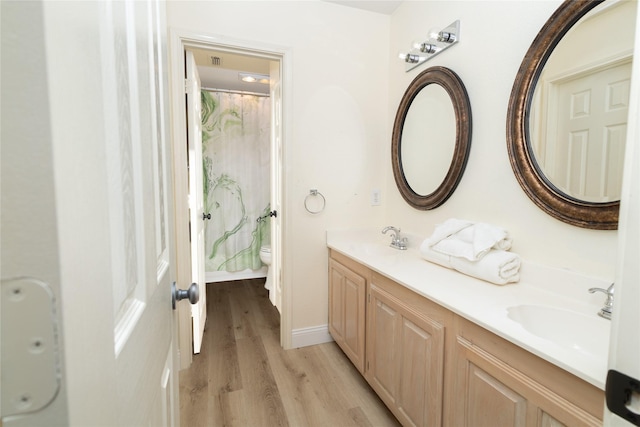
x=139 y=216
x=276 y=183
x=354 y=298
x=347 y=291
x=111 y=191
x=624 y=354
x=336 y=314
x=589 y=140
x=406 y=359
x=416 y=373
x=491 y=403
x=383 y=335
x=196 y=197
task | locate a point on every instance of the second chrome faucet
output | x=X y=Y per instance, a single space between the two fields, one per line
x=607 y=308
x=397 y=242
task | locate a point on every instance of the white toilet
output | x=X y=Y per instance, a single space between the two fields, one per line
x=265 y=257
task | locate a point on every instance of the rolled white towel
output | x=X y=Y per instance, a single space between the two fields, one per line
x=497 y=266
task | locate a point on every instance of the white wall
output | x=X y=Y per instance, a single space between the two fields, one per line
x=338 y=121
x=494 y=39
x=347 y=85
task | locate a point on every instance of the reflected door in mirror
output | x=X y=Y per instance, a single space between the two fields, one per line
x=580 y=105
x=580 y=147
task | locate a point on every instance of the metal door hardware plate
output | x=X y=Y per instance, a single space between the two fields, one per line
x=31 y=373
x=623 y=396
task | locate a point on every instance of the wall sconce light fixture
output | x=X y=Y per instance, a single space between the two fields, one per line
x=436 y=41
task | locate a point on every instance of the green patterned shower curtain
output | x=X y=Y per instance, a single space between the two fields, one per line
x=236 y=161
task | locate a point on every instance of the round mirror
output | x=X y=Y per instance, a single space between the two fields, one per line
x=431 y=138
x=566 y=123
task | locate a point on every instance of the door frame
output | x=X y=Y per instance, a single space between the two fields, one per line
x=179 y=40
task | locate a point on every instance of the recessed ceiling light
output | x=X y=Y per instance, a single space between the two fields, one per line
x=254 y=78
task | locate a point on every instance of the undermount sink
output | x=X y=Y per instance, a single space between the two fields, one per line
x=588 y=335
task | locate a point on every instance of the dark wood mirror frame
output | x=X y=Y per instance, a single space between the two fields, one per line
x=599 y=216
x=452 y=84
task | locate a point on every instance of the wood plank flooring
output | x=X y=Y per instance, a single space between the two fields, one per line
x=243 y=378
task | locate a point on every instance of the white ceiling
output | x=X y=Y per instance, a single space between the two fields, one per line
x=225 y=75
x=379 y=6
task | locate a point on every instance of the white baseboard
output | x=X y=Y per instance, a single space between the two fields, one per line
x=310 y=336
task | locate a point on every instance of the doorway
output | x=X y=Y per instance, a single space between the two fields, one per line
x=236 y=151
x=225 y=62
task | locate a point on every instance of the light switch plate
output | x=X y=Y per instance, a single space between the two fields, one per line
x=375 y=197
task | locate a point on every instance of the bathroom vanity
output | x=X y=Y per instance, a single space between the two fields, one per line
x=441 y=348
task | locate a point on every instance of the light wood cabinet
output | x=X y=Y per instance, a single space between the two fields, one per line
x=432 y=367
x=347 y=294
x=405 y=354
x=497 y=383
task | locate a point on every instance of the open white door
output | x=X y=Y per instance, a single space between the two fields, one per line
x=104 y=107
x=623 y=379
x=196 y=196
x=276 y=184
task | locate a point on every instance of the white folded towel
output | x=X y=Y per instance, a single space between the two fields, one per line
x=497 y=266
x=447 y=229
x=433 y=256
x=468 y=240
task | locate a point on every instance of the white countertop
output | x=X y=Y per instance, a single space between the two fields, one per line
x=561 y=292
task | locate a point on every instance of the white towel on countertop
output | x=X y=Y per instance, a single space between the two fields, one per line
x=447 y=229
x=435 y=257
x=497 y=266
x=460 y=238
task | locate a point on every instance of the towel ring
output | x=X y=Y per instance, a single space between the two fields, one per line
x=314 y=192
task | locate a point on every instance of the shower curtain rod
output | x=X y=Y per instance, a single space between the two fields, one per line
x=239 y=92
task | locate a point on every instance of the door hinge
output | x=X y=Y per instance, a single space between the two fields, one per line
x=369 y=298
x=30 y=346
x=188 y=84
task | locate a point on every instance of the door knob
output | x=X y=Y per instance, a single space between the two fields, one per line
x=206 y=216
x=193 y=293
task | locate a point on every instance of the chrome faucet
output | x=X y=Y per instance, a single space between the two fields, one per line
x=396 y=241
x=607 y=309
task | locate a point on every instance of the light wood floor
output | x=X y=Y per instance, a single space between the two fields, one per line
x=244 y=378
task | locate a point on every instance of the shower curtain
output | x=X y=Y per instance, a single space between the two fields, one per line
x=236 y=162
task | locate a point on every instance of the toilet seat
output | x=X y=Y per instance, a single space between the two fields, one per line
x=265 y=257
x=265 y=254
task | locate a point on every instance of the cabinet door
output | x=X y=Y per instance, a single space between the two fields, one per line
x=336 y=302
x=383 y=337
x=490 y=392
x=491 y=403
x=405 y=359
x=347 y=292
